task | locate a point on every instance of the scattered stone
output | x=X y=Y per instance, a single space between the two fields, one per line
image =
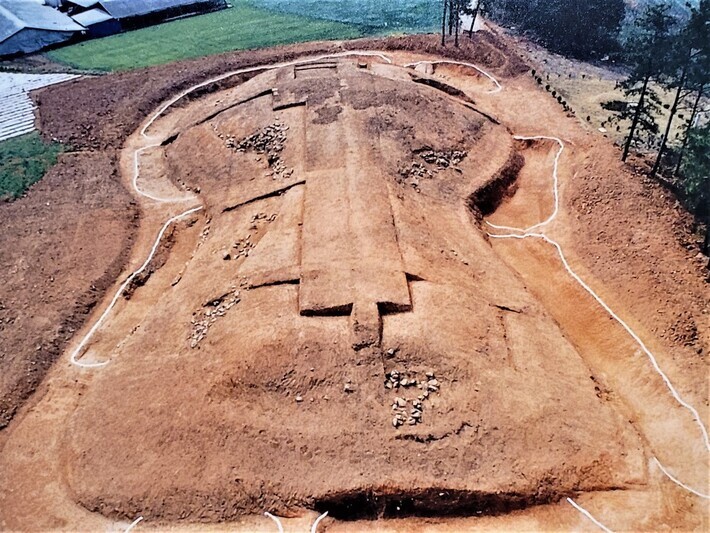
x=270 y=142
x=348 y=388
x=299 y=398
x=226 y=255
x=216 y=308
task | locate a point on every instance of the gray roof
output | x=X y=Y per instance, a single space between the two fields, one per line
x=131 y=8
x=84 y=3
x=91 y=17
x=16 y=15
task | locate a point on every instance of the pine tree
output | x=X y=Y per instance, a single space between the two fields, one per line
x=648 y=52
x=688 y=68
x=696 y=177
x=698 y=77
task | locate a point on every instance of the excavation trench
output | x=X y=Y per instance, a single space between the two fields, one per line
x=373 y=504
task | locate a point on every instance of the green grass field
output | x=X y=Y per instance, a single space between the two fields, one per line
x=24 y=161
x=241 y=27
x=400 y=16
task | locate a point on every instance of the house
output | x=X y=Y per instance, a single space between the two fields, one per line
x=98 y=23
x=27 y=26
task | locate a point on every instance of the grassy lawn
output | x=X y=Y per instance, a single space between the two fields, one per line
x=241 y=27
x=24 y=161
x=400 y=16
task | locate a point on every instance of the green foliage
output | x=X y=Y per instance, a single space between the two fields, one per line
x=23 y=161
x=400 y=16
x=648 y=52
x=241 y=27
x=581 y=29
x=696 y=170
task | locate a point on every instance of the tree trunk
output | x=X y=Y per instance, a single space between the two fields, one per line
x=674 y=110
x=457 y=23
x=443 y=24
x=687 y=130
x=473 y=20
x=451 y=17
x=637 y=116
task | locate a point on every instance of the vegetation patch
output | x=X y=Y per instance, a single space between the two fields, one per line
x=241 y=27
x=24 y=160
x=398 y=16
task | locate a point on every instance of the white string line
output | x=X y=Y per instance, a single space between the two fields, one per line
x=133 y=524
x=221 y=77
x=123 y=286
x=631 y=332
x=677 y=482
x=498 y=88
x=314 y=529
x=136 y=173
x=588 y=515
x=275 y=519
x=526 y=233
x=555 y=187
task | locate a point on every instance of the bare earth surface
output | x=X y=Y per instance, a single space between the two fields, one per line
x=335 y=330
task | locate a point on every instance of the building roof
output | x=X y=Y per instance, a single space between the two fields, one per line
x=91 y=17
x=83 y=3
x=130 y=8
x=17 y=15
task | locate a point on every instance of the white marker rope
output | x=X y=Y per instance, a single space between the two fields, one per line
x=498 y=88
x=680 y=483
x=275 y=519
x=136 y=173
x=314 y=529
x=257 y=68
x=123 y=286
x=555 y=187
x=133 y=524
x=527 y=233
x=651 y=357
x=588 y=515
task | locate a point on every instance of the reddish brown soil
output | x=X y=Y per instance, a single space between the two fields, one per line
x=281 y=406
x=103 y=111
x=63 y=245
x=93 y=114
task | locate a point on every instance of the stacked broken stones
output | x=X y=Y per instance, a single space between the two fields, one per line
x=436 y=160
x=214 y=309
x=443 y=158
x=269 y=141
x=396 y=380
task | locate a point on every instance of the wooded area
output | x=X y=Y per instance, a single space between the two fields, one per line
x=664 y=51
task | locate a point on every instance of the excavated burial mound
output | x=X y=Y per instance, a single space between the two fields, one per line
x=266 y=381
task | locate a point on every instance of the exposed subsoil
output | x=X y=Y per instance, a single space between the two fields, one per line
x=336 y=332
x=94 y=116
x=63 y=245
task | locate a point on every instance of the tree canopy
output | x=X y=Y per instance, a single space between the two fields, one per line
x=584 y=29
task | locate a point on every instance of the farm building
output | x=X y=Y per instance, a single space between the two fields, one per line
x=102 y=17
x=27 y=26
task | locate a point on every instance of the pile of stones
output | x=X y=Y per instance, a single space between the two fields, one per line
x=241 y=248
x=269 y=141
x=214 y=310
x=443 y=158
x=412 y=175
x=436 y=160
x=396 y=380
